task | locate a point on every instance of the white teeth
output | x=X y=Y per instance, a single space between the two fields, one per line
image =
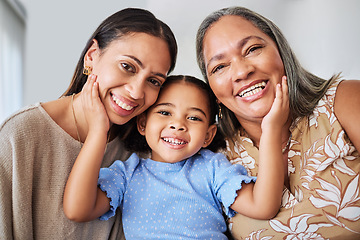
x=121 y=104
x=174 y=141
x=253 y=89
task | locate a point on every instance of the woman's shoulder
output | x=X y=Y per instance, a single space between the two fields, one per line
x=342 y=95
x=347 y=88
x=347 y=109
x=25 y=116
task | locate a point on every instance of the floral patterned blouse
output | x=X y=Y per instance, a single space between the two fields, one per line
x=323 y=201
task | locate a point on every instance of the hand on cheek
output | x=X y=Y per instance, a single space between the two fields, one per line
x=94 y=110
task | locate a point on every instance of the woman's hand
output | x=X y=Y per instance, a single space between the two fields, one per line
x=83 y=200
x=279 y=112
x=94 y=110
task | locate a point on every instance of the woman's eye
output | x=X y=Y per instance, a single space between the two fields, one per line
x=253 y=49
x=128 y=67
x=155 y=82
x=217 y=68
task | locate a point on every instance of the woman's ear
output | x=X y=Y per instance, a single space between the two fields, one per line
x=210 y=134
x=91 y=54
x=141 y=123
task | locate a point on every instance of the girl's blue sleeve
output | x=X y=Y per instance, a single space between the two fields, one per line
x=113 y=180
x=228 y=180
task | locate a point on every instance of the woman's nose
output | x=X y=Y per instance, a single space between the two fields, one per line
x=136 y=88
x=241 y=69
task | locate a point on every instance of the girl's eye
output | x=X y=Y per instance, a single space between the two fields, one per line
x=165 y=113
x=155 y=82
x=195 y=119
x=128 y=67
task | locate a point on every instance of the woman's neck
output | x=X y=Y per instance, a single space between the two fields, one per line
x=253 y=131
x=79 y=119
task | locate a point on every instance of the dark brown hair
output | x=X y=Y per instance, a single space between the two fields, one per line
x=121 y=23
x=116 y=26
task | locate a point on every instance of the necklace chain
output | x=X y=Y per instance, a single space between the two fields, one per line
x=73 y=112
x=76 y=125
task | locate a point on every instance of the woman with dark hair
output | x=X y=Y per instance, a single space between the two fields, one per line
x=243 y=56
x=129 y=56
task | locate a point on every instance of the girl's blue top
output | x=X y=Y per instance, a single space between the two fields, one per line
x=183 y=200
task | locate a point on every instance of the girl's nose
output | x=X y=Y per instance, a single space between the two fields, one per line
x=177 y=126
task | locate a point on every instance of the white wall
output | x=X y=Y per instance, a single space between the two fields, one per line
x=12 y=41
x=325 y=34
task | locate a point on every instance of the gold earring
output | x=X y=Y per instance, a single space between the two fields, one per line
x=220 y=113
x=87 y=70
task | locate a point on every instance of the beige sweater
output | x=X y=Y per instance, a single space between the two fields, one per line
x=36 y=156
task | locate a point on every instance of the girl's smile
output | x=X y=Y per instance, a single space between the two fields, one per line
x=177 y=125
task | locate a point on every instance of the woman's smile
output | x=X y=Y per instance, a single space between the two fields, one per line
x=247 y=91
x=243 y=66
x=122 y=104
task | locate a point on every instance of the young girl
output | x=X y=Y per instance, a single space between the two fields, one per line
x=179 y=192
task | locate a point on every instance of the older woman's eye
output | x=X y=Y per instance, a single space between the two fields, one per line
x=253 y=49
x=217 y=68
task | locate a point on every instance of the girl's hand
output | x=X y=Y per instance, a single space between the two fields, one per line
x=279 y=112
x=94 y=110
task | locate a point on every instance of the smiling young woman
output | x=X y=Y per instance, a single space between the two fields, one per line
x=128 y=57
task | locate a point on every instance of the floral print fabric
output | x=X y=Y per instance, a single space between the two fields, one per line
x=323 y=201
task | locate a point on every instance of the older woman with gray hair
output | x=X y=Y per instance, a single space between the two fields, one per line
x=243 y=56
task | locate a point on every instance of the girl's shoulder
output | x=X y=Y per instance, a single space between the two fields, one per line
x=208 y=155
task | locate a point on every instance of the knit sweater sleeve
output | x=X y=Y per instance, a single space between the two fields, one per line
x=14 y=179
x=5 y=184
x=36 y=157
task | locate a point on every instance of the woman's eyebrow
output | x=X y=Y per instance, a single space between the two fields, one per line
x=142 y=66
x=240 y=44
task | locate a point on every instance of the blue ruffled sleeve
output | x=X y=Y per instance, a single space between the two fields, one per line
x=228 y=179
x=113 y=180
